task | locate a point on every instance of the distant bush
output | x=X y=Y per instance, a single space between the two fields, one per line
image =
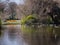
x=28 y=19
x=49 y=20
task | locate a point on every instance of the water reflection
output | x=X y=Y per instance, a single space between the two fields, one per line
x=11 y=36
x=40 y=35
x=29 y=35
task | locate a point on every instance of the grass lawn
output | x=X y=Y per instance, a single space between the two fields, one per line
x=11 y=22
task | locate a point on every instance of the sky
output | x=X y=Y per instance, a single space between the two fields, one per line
x=17 y=1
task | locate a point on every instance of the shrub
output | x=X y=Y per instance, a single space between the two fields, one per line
x=49 y=20
x=28 y=19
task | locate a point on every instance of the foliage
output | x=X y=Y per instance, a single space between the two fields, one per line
x=42 y=7
x=28 y=19
x=0 y=26
x=0 y=22
x=55 y=14
x=38 y=7
x=49 y=20
x=2 y=6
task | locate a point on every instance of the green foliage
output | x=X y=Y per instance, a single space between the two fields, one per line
x=49 y=20
x=28 y=19
x=0 y=22
x=0 y=26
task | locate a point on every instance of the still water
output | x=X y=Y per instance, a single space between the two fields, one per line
x=28 y=35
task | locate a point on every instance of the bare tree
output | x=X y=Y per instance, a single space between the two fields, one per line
x=37 y=7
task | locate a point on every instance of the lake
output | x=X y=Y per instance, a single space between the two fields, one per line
x=29 y=35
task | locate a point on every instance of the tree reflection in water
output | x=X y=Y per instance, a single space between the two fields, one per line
x=11 y=36
x=28 y=35
x=39 y=35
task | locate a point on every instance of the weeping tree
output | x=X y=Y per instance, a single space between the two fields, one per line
x=38 y=7
x=43 y=9
x=2 y=6
x=12 y=6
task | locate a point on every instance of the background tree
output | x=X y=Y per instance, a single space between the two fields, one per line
x=12 y=7
x=37 y=7
x=55 y=14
